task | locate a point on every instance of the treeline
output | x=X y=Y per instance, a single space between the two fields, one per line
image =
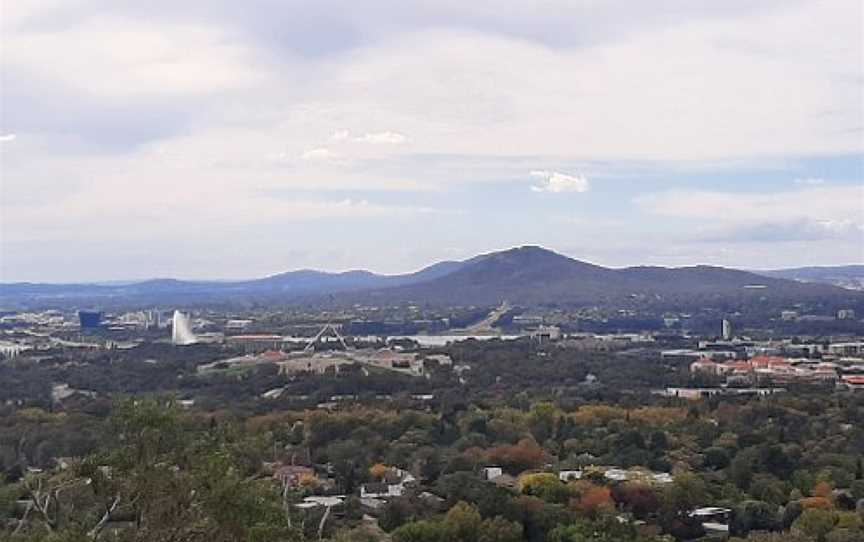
x=786 y=465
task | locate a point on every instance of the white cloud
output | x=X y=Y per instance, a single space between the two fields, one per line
x=818 y=203
x=810 y=213
x=555 y=182
x=6 y=138
x=143 y=61
x=383 y=138
x=810 y=181
x=749 y=83
x=246 y=122
x=319 y=153
x=149 y=213
x=340 y=135
x=716 y=89
x=844 y=226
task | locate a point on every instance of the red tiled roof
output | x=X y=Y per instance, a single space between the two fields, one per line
x=767 y=361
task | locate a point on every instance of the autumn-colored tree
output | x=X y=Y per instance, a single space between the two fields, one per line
x=598 y=414
x=525 y=454
x=822 y=489
x=307 y=479
x=639 y=498
x=820 y=503
x=378 y=471
x=474 y=455
x=593 y=501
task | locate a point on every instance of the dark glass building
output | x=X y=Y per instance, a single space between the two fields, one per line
x=89 y=319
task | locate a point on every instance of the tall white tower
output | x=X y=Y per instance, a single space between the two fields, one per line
x=181 y=330
x=727 y=330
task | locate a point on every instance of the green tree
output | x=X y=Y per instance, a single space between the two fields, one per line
x=498 y=529
x=754 y=516
x=542 y=421
x=422 y=531
x=464 y=522
x=816 y=522
x=545 y=485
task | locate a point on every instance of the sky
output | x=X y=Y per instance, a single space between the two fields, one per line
x=225 y=139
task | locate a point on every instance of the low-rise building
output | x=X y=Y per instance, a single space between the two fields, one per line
x=546 y=333
x=569 y=475
x=255 y=343
x=489 y=473
x=846 y=348
x=293 y=475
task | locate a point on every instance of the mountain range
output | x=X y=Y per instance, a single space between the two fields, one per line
x=527 y=276
x=845 y=276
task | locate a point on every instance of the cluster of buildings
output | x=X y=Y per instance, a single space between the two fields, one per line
x=394 y=482
x=497 y=476
x=795 y=316
x=394 y=359
x=776 y=370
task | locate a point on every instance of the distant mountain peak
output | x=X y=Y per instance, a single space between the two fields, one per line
x=527 y=275
x=526 y=253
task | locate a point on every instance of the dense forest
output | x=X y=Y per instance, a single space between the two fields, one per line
x=134 y=462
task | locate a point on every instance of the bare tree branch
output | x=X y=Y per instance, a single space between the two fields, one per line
x=94 y=532
x=323 y=521
x=23 y=519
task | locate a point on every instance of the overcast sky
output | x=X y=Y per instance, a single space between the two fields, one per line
x=223 y=139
